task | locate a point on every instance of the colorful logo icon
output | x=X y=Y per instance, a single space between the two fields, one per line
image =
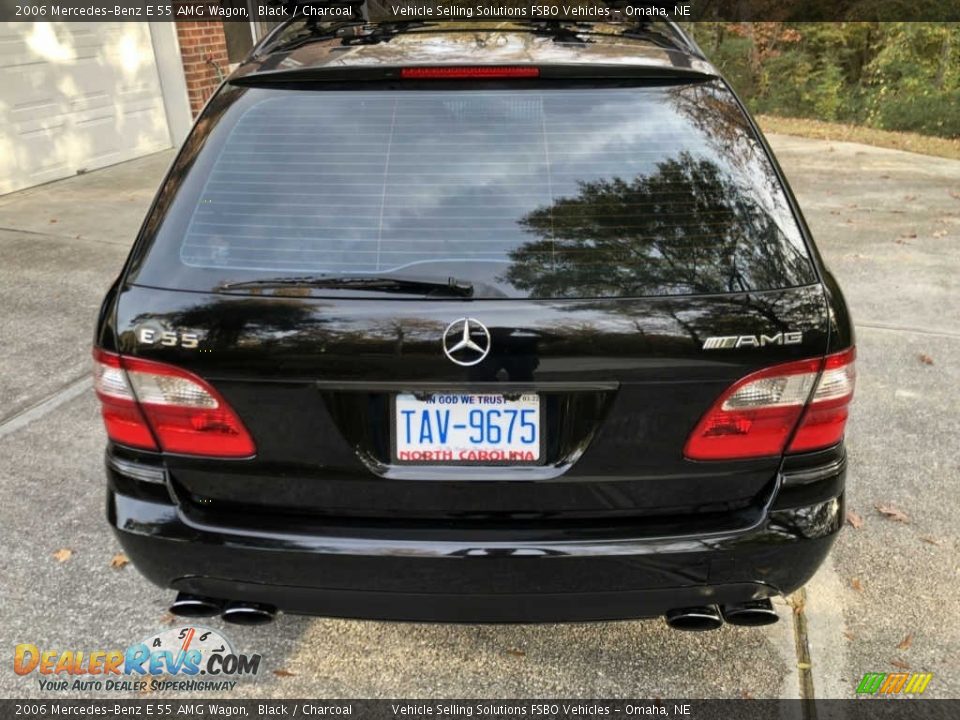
x=901 y=683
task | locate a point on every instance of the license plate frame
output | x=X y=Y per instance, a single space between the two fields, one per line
x=541 y=425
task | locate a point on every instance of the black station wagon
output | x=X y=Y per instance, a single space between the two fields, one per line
x=512 y=322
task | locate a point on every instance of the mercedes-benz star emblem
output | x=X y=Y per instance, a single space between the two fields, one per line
x=466 y=341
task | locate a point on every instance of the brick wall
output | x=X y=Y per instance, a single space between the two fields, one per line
x=202 y=41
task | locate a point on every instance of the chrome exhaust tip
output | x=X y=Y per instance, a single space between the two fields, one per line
x=195 y=606
x=244 y=613
x=753 y=613
x=696 y=619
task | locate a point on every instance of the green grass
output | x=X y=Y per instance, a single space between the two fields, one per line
x=911 y=142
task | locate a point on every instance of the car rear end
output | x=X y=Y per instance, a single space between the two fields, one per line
x=514 y=342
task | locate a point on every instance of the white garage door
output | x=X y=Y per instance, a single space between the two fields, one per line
x=74 y=97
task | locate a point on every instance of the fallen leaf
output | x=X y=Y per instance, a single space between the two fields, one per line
x=856 y=584
x=53 y=220
x=900 y=664
x=893 y=513
x=62 y=555
x=119 y=560
x=905 y=643
x=284 y=673
x=746 y=695
x=855 y=520
x=516 y=652
x=931 y=540
x=925 y=359
x=168 y=619
x=848 y=635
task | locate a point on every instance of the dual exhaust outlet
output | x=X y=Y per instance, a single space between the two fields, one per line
x=753 y=613
x=238 y=613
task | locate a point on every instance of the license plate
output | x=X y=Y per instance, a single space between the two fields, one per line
x=467 y=429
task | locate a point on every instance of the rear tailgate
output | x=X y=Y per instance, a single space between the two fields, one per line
x=608 y=234
x=623 y=383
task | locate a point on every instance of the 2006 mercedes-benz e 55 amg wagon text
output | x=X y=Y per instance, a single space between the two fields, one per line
x=515 y=324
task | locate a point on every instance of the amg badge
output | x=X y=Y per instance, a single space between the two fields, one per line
x=738 y=341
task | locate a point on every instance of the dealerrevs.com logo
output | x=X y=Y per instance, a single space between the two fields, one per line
x=181 y=659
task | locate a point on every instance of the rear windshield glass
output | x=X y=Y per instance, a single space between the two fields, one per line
x=545 y=193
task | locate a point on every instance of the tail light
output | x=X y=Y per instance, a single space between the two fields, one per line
x=156 y=406
x=470 y=72
x=121 y=413
x=757 y=416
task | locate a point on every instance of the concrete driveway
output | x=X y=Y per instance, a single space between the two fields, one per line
x=889 y=225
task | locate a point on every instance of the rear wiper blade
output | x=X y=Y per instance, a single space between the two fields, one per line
x=450 y=287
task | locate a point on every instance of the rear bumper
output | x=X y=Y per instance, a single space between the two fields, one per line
x=423 y=578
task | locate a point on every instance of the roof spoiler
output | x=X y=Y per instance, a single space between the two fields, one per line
x=360 y=12
x=652 y=74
